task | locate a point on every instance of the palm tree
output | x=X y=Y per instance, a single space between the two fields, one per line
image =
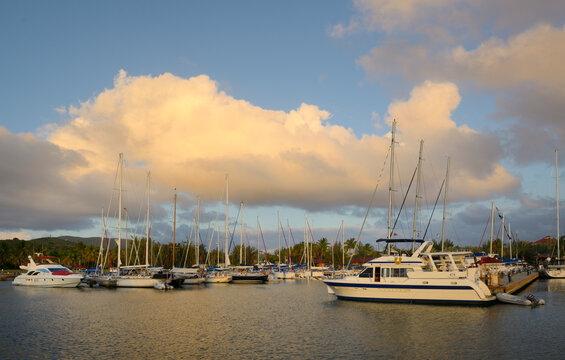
x=322 y=246
x=350 y=244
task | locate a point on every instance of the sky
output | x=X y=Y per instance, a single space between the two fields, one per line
x=295 y=101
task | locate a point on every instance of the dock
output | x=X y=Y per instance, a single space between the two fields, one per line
x=515 y=284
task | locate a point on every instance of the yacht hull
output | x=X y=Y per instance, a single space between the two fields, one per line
x=463 y=294
x=554 y=272
x=51 y=282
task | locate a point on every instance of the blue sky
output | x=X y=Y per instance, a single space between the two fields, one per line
x=293 y=99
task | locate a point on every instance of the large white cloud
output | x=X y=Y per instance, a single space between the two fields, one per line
x=510 y=50
x=189 y=133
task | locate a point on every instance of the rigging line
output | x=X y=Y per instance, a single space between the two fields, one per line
x=264 y=246
x=437 y=199
x=370 y=204
x=297 y=254
x=484 y=232
x=336 y=240
x=363 y=224
x=233 y=231
x=403 y=202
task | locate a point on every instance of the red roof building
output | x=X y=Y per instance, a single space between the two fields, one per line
x=544 y=240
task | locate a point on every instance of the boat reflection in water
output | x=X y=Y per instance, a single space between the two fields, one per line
x=423 y=277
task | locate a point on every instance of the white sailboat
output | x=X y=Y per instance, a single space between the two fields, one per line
x=556 y=271
x=138 y=275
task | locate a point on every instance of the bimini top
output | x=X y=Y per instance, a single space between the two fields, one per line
x=392 y=241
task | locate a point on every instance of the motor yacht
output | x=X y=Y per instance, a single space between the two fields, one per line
x=423 y=277
x=48 y=274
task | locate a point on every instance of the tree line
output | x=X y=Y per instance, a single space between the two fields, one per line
x=15 y=252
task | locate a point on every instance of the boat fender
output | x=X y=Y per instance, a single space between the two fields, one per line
x=397 y=260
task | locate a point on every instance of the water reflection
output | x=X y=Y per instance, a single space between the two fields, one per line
x=282 y=320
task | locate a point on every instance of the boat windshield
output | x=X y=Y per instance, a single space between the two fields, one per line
x=367 y=273
x=58 y=269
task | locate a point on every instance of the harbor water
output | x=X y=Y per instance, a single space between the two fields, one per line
x=294 y=319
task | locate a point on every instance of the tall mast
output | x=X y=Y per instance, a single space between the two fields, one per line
x=126 y=237
x=147 y=225
x=502 y=241
x=121 y=165
x=279 y=234
x=417 y=192
x=197 y=232
x=391 y=180
x=306 y=242
x=241 y=234
x=557 y=206
x=226 y=250
x=510 y=239
x=258 y=251
x=445 y=203
x=174 y=230
x=342 y=243
x=491 y=225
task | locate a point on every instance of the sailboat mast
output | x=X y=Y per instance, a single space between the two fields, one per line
x=502 y=241
x=120 y=212
x=557 y=206
x=147 y=225
x=279 y=234
x=258 y=251
x=390 y=185
x=417 y=192
x=226 y=250
x=391 y=180
x=510 y=239
x=342 y=243
x=445 y=203
x=197 y=252
x=174 y=231
x=491 y=225
x=241 y=234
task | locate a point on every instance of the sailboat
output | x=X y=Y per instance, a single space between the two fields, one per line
x=556 y=271
x=222 y=273
x=137 y=276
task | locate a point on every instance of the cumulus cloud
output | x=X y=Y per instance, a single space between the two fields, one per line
x=445 y=21
x=35 y=193
x=189 y=133
x=524 y=72
x=476 y=169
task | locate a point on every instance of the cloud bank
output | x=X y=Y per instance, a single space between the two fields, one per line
x=189 y=133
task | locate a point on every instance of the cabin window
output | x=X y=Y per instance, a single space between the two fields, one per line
x=367 y=273
x=43 y=270
x=58 y=269
x=398 y=272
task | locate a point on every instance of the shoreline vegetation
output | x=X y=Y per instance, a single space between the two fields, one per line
x=82 y=253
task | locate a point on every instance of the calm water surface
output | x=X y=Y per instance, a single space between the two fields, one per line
x=281 y=320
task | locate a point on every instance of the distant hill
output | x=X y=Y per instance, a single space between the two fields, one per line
x=60 y=242
x=94 y=241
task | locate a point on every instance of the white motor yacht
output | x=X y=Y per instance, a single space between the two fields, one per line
x=423 y=277
x=48 y=274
